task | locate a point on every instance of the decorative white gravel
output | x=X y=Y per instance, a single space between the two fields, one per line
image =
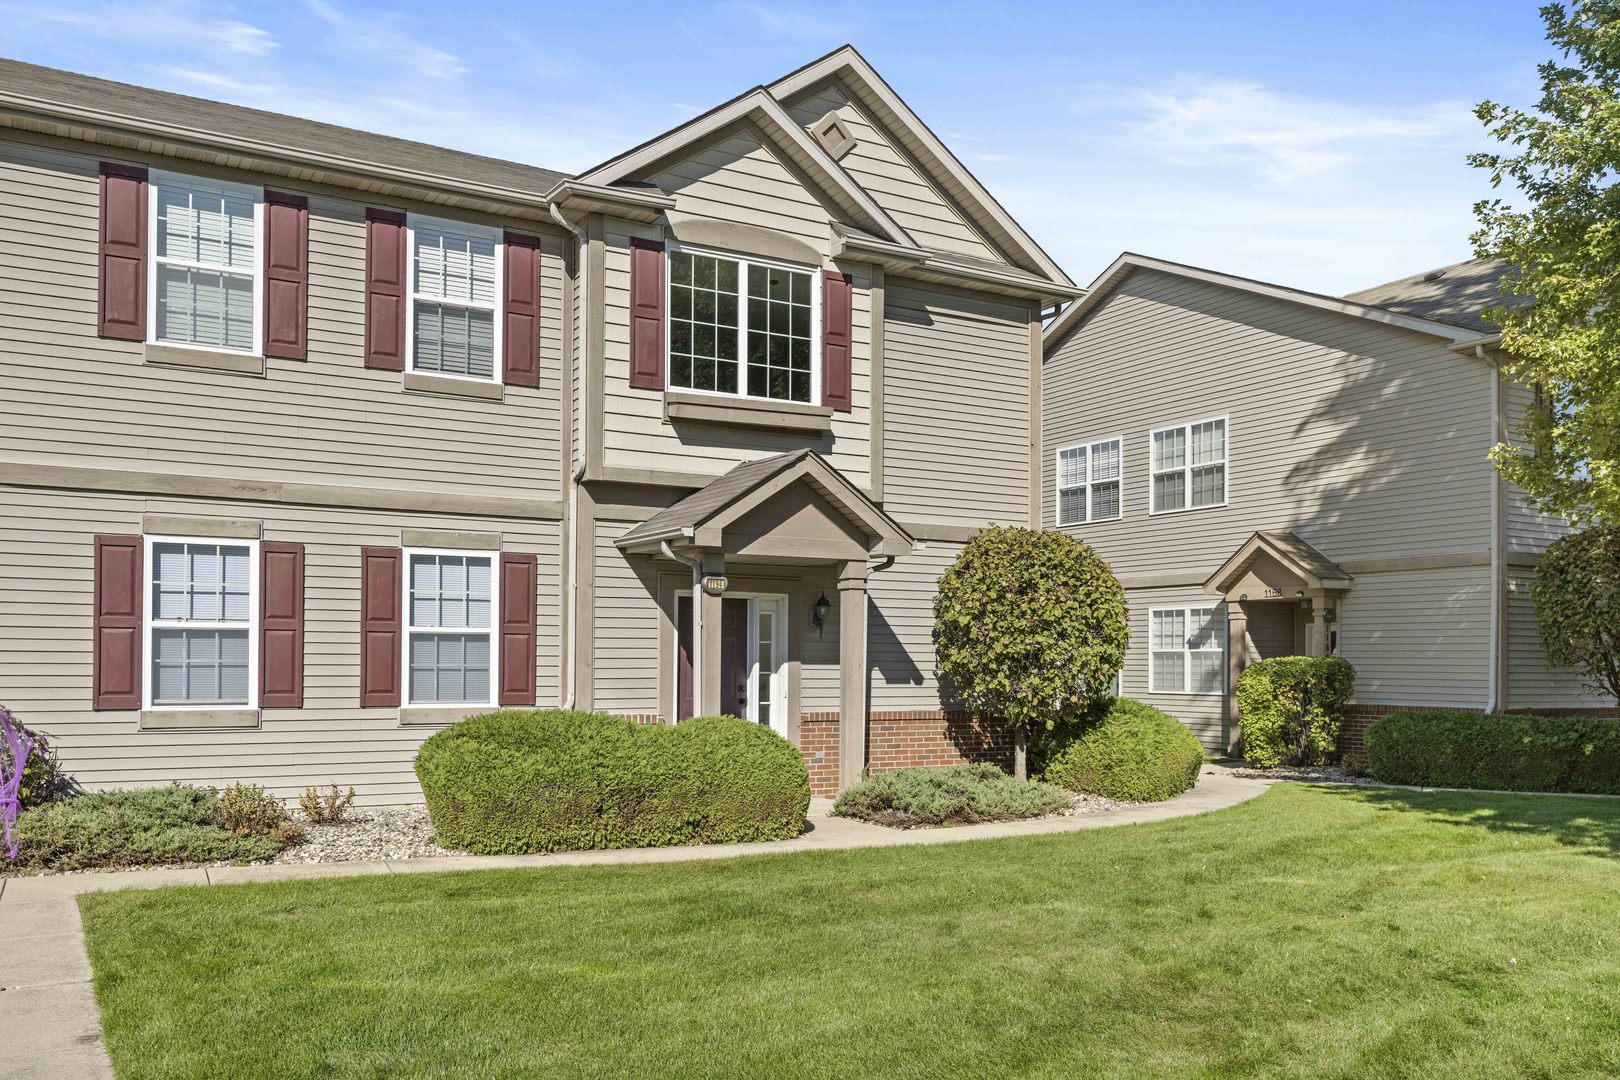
x=1094 y=804
x=367 y=833
x=1310 y=774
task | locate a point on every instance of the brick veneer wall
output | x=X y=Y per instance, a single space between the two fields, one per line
x=818 y=742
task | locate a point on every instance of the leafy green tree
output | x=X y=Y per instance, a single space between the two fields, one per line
x=1561 y=236
x=1577 y=598
x=1029 y=628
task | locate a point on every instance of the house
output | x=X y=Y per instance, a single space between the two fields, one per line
x=316 y=440
x=1275 y=472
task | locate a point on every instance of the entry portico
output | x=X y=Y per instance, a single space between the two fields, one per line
x=1282 y=598
x=735 y=639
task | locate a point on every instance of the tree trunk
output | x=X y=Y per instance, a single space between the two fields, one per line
x=1021 y=752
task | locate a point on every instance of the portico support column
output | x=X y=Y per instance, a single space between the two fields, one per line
x=708 y=638
x=851 y=673
x=1237 y=658
x=1316 y=639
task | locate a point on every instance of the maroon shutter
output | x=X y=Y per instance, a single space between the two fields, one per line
x=380 y=628
x=519 y=628
x=117 y=623
x=286 y=275
x=837 y=323
x=385 y=290
x=520 y=365
x=122 y=308
x=281 y=625
x=647 y=314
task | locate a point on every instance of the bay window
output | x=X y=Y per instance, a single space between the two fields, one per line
x=200 y=621
x=1088 y=482
x=204 y=274
x=454 y=276
x=450 y=606
x=743 y=326
x=1187 y=650
x=1189 y=466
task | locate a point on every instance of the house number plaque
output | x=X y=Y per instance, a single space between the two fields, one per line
x=715 y=584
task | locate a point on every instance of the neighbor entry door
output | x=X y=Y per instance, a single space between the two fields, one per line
x=753 y=652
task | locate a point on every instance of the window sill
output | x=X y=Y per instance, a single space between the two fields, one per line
x=439 y=715
x=204 y=359
x=198 y=719
x=746 y=412
x=423 y=383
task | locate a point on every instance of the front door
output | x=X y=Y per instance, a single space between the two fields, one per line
x=752 y=657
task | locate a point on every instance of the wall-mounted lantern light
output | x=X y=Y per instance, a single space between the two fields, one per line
x=818 y=613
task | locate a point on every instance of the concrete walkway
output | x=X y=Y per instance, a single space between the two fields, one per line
x=52 y=1024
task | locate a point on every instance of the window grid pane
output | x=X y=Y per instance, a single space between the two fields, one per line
x=204 y=307
x=703 y=322
x=1188 y=649
x=451 y=591
x=199 y=667
x=205 y=224
x=454 y=340
x=450 y=668
x=1105 y=460
x=778 y=333
x=200 y=583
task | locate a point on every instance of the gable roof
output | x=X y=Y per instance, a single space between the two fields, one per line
x=760 y=107
x=851 y=69
x=47 y=99
x=1309 y=565
x=742 y=488
x=1457 y=294
x=1128 y=263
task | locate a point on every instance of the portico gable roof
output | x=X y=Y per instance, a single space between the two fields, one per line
x=700 y=519
x=1314 y=570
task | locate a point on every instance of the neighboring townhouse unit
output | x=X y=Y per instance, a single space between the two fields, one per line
x=1273 y=472
x=318 y=440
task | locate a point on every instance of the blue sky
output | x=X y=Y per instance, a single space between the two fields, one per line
x=1314 y=145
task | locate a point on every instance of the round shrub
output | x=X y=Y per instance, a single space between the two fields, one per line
x=1290 y=709
x=1501 y=751
x=1121 y=750
x=533 y=780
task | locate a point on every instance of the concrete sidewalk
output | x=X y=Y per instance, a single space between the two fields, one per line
x=50 y=1009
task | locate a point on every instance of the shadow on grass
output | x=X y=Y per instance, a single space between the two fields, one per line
x=1591 y=825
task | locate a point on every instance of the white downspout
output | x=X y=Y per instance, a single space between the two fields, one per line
x=571 y=533
x=1497 y=557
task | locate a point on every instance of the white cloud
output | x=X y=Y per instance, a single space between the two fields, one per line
x=782 y=20
x=376 y=37
x=168 y=25
x=1198 y=122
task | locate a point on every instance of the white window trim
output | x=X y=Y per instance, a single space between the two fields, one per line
x=1186 y=470
x=149 y=623
x=1186 y=668
x=743 y=263
x=411 y=630
x=256 y=272
x=1057 y=481
x=411 y=296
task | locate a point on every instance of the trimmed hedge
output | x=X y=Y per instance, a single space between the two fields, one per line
x=958 y=795
x=533 y=780
x=1505 y=752
x=1124 y=750
x=1290 y=709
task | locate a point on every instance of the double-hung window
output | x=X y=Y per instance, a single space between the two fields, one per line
x=201 y=616
x=743 y=326
x=1187 y=650
x=448 y=647
x=1189 y=466
x=1088 y=482
x=455 y=286
x=203 y=291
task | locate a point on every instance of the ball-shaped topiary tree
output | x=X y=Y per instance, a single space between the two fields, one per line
x=1029 y=628
x=1577 y=597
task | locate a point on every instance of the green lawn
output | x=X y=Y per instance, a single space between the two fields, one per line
x=1311 y=932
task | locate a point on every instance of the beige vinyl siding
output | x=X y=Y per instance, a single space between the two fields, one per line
x=956 y=407
x=1528 y=530
x=1419 y=637
x=624 y=627
x=738 y=181
x=46 y=598
x=900 y=629
x=1200 y=712
x=896 y=185
x=1531 y=684
x=1368 y=441
x=76 y=399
